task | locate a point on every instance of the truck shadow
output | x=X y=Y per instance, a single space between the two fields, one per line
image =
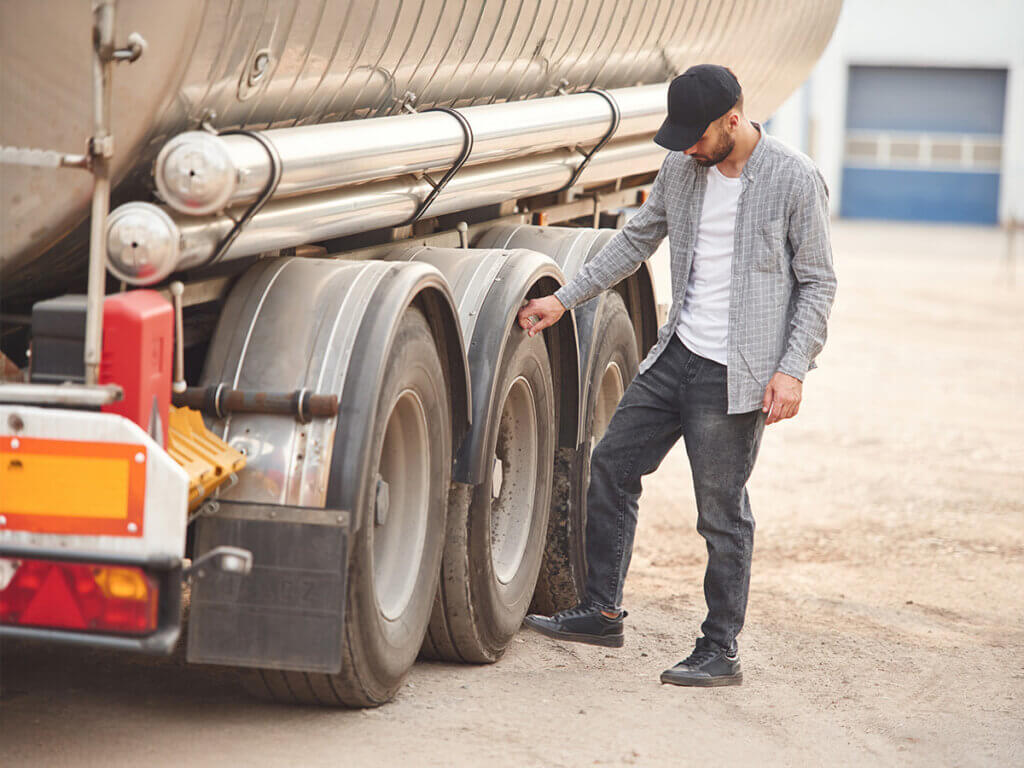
x=29 y=668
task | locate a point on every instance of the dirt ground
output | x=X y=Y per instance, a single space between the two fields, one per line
x=886 y=619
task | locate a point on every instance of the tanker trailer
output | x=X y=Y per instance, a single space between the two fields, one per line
x=260 y=270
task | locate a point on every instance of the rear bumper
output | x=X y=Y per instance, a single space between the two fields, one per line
x=166 y=571
x=37 y=523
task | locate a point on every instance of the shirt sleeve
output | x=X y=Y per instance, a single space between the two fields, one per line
x=622 y=254
x=815 y=277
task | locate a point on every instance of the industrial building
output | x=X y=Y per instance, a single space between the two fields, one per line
x=915 y=111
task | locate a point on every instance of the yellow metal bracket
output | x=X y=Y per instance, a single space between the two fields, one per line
x=207 y=459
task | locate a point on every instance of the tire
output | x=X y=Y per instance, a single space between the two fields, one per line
x=496 y=537
x=616 y=361
x=387 y=606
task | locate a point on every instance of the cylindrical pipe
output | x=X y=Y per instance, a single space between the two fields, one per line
x=294 y=221
x=218 y=401
x=177 y=289
x=103 y=41
x=198 y=173
x=61 y=394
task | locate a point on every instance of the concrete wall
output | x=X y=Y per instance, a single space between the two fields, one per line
x=941 y=33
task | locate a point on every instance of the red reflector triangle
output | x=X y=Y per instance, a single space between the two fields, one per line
x=53 y=605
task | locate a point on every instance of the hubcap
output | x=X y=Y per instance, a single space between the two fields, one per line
x=401 y=505
x=516 y=453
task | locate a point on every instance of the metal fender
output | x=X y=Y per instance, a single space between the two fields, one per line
x=571 y=248
x=490 y=286
x=325 y=325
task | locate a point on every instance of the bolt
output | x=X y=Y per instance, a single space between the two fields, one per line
x=132 y=528
x=15 y=422
x=140 y=458
x=15 y=443
x=3 y=520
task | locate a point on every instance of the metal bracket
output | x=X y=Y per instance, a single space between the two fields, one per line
x=43 y=158
x=467 y=149
x=224 y=559
x=133 y=50
x=407 y=103
x=587 y=157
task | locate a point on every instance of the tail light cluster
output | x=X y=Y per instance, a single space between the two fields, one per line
x=78 y=596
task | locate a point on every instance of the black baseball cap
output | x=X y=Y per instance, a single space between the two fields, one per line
x=696 y=98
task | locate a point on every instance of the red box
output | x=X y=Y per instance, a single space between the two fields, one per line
x=138 y=349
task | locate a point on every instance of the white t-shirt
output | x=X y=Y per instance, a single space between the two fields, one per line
x=704 y=321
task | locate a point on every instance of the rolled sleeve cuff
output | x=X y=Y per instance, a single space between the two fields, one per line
x=795 y=366
x=570 y=295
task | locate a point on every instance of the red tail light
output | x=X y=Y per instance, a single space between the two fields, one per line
x=80 y=596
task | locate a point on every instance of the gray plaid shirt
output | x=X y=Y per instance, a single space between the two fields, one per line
x=783 y=284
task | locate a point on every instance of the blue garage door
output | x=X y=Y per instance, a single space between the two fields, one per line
x=923 y=143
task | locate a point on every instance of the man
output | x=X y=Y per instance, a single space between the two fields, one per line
x=752 y=288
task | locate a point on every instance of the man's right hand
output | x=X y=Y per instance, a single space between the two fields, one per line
x=538 y=314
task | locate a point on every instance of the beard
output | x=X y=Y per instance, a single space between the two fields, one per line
x=720 y=152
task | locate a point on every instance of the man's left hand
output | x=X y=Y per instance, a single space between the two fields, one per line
x=782 y=398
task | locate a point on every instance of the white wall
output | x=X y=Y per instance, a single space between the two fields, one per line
x=982 y=33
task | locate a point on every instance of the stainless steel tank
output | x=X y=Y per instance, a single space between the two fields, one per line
x=279 y=63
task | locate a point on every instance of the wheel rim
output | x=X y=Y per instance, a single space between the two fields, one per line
x=401 y=499
x=609 y=393
x=514 y=480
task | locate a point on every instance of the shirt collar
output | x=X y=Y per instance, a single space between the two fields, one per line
x=757 y=157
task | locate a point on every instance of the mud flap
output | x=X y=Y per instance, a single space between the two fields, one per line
x=288 y=613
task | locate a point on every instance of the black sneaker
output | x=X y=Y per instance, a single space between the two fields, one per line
x=582 y=624
x=709 y=665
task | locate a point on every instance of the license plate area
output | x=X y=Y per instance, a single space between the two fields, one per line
x=72 y=486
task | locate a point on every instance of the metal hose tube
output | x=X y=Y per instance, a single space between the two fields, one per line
x=199 y=173
x=285 y=223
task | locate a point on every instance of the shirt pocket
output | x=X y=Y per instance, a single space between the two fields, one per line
x=769 y=247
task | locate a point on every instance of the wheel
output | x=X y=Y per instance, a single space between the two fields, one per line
x=396 y=549
x=496 y=529
x=616 y=361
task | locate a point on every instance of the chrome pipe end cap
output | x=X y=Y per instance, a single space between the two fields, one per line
x=194 y=173
x=143 y=244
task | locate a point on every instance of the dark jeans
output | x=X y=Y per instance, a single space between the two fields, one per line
x=681 y=394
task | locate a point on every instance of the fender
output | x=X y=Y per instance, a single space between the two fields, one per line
x=571 y=248
x=326 y=325
x=489 y=287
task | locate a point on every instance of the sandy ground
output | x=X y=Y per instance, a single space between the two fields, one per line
x=886 y=620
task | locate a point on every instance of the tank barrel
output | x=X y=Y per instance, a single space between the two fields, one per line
x=200 y=173
x=295 y=71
